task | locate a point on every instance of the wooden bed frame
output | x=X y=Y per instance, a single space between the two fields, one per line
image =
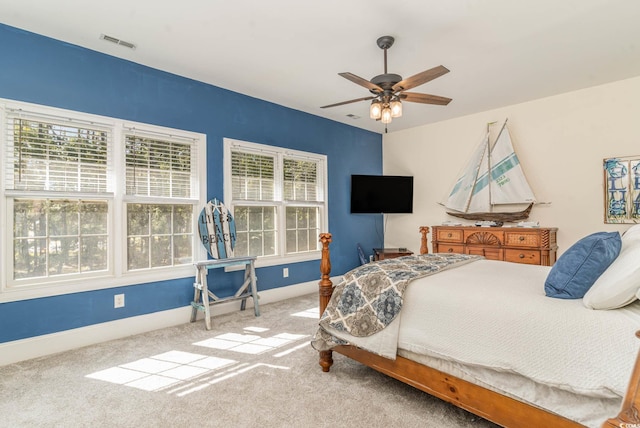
x=480 y=401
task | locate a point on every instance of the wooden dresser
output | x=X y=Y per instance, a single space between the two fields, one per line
x=536 y=246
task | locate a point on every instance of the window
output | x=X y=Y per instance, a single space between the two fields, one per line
x=159 y=171
x=53 y=237
x=277 y=197
x=93 y=197
x=159 y=235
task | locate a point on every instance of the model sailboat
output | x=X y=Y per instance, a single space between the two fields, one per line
x=493 y=177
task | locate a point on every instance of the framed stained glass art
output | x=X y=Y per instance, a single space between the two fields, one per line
x=622 y=190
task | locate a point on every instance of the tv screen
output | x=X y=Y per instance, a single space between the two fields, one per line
x=381 y=194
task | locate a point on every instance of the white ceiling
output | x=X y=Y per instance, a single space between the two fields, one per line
x=290 y=52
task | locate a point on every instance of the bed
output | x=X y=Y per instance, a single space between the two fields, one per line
x=475 y=364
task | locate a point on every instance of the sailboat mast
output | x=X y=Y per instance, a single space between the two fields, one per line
x=490 y=177
x=485 y=150
x=489 y=163
x=504 y=125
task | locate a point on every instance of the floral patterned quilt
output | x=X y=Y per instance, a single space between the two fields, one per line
x=369 y=297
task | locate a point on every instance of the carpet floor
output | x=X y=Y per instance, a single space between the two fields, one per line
x=246 y=372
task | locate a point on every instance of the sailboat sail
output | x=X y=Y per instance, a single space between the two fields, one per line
x=480 y=196
x=460 y=195
x=508 y=183
x=492 y=177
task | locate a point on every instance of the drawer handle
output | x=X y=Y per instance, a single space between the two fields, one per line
x=521 y=256
x=521 y=238
x=449 y=235
x=450 y=250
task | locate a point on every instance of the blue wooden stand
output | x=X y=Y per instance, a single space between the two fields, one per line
x=202 y=293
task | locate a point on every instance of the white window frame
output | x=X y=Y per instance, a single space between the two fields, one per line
x=117 y=275
x=279 y=153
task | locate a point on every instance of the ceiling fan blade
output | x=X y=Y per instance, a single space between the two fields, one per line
x=348 y=102
x=362 y=82
x=420 y=78
x=424 y=98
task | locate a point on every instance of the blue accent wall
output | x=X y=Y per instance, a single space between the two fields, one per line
x=45 y=71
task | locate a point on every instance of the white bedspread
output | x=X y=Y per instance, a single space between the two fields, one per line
x=502 y=319
x=491 y=314
x=490 y=323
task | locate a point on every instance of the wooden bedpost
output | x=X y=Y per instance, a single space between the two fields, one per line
x=629 y=415
x=325 y=290
x=423 y=239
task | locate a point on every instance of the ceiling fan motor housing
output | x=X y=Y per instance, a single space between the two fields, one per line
x=385 y=81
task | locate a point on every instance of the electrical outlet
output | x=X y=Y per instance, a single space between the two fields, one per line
x=285 y=272
x=118 y=301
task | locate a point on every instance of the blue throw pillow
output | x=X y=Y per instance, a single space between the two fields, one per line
x=578 y=268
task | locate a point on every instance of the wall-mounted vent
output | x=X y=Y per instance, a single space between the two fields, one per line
x=117 y=41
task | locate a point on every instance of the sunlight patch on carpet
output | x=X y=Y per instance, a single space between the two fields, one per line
x=256 y=329
x=291 y=350
x=153 y=383
x=180 y=373
x=249 y=343
x=118 y=375
x=309 y=313
x=150 y=365
x=161 y=371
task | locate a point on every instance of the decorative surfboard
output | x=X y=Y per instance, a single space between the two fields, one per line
x=217 y=230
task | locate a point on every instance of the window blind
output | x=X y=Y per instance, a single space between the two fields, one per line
x=300 y=180
x=55 y=154
x=159 y=167
x=252 y=176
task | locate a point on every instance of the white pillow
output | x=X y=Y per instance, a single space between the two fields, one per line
x=631 y=235
x=619 y=284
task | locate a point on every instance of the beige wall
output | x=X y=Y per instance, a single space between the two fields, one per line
x=561 y=142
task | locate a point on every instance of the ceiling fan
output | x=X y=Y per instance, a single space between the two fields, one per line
x=388 y=89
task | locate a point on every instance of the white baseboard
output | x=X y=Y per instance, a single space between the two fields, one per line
x=33 y=347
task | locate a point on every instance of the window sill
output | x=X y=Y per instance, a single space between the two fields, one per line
x=17 y=293
x=280 y=260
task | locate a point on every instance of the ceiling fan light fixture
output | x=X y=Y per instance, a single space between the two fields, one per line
x=386 y=116
x=375 y=111
x=396 y=108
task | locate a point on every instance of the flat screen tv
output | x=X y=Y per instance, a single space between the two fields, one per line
x=380 y=194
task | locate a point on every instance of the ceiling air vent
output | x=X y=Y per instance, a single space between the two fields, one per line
x=353 y=116
x=117 y=41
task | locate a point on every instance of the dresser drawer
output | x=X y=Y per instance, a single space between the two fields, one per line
x=449 y=235
x=450 y=248
x=531 y=257
x=522 y=239
x=489 y=253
